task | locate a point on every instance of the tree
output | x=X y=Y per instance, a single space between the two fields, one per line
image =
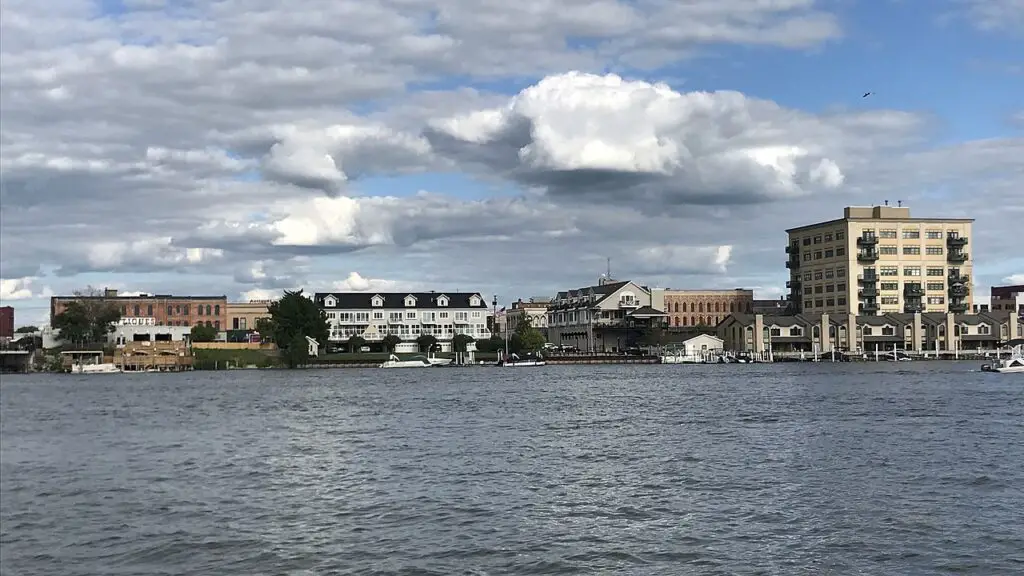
x=26 y=330
x=356 y=343
x=292 y=319
x=654 y=336
x=529 y=338
x=703 y=328
x=461 y=342
x=390 y=342
x=426 y=342
x=86 y=321
x=297 y=351
x=203 y=333
x=492 y=344
x=265 y=326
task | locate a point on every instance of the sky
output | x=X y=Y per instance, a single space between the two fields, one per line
x=509 y=148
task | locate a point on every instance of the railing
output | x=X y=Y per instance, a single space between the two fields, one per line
x=867 y=255
x=957 y=257
x=955 y=240
x=867 y=240
x=793 y=263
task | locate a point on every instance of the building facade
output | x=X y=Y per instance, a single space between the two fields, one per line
x=408 y=315
x=245 y=315
x=6 y=322
x=535 y=310
x=612 y=316
x=879 y=260
x=821 y=333
x=165 y=310
x=1008 y=298
x=702 y=307
x=771 y=307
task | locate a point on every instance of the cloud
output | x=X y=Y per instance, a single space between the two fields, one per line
x=1013 y=279
x=16 y=289
x=998 y=15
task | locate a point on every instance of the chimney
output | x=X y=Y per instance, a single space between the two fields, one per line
x=110 y=292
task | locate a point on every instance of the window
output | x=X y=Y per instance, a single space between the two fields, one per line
x=818 y=274
x=808 y=304
x=410 y=315
x=934 y=250
x=184 y=310
x=936 y=300
x=933 y=234
x=807 y=275
x=796 y=331
x=817 y=255
x=394 y=317
x=817 y=289
x=830 y=273
x=378 y=315
x=807 y=256
x=818 y=302
x=888 y=271
x=829 y=253
x=984 y=329
x=170 y=310
x=911 y=234
x=935 y=286
x=911 y=250
x=889 y=286
x=830 y=288
x=936 y=271
x=443 y=315
x=888 y=331
x=828 y=238
x=216 y=310
x=775 y=331
x=911 y=270
x=867 y=330
x=476 y=314
x=807 y=241
x=887 y=250
x=841 y=301
x=840 y=235
x=136 y=310
x=377 y=301
x=234 y=323
x=216 y=324
x=817 y=239
x=889 y=233
x=149 y=310
x=830 y=302
x=362 y=316
x=890 y=300
x=840 y=272
x=840 y=251
x=208 y=313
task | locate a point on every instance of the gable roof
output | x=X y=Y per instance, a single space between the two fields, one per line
x=396 y=300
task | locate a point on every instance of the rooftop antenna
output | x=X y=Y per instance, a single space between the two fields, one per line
x=609 y=268
x=886 y=202
x=899 y=203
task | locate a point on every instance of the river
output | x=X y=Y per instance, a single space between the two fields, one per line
x=789 y=469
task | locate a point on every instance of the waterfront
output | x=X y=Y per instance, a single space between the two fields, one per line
x=871 y=468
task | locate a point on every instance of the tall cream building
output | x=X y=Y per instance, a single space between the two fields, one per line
x=879 y=260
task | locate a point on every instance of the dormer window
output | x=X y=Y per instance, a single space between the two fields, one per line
x=330 y=302
x=474 y=301
x=377 y=301
x=442 y=300
x=796 y=331
x=410 y=301
x=984 y=329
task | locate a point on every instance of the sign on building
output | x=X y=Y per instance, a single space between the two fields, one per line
x=137 y=322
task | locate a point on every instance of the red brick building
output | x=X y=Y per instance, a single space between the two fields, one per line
x=6 y=322
x=164 y=309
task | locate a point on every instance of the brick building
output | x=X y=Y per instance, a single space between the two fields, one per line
x=164 y=309
x=705 y=307
x=6 y=322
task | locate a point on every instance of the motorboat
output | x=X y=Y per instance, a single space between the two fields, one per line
x=100 y=368
x=439 y=361
x=1012 y=365
x=514 y=361
x=415 y=362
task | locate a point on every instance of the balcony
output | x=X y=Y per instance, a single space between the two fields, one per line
x=913 y=291
x=956 y=241
x=629 y=303
x=868 y=292
x=867 y=240
x=793 y=264
x=957 y=278
x=956 y=257
x=958 y=307
x=867 y=278
x=793 y=284
x=913 y=307
x=792 y=249
x=958 y=290
x=868 y=308
x=867 y=255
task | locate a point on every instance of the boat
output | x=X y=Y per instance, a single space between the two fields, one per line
x=101 y=368
x=439 y=361
x=414 y=362
x=514 y=361
x=1012 y=365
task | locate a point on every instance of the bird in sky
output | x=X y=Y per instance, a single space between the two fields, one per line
x=866 y=94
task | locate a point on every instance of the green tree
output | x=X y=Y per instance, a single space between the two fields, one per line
x=26 y=330
x=356 y=343
x=86 y=321
x=426 y=342
x=265 y=326
x=461 y=342
x=529 y=338
x=390 y=342
x=203 y=333
x=492 y=344
x=297 y=352
x=292 y=318
x=703 y=328
x=654 y=336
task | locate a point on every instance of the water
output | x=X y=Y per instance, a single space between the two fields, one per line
x=910 y=468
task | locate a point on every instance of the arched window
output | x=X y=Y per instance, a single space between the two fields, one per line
x=718 y=307
x=692 y=308
x=677 y=320
x=136 y=309
x=677 y=306
x=693 y=320
x=684 y=320
x=216 y=310
x=208 y=313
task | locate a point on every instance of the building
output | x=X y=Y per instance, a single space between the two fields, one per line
x=702 y=307
x=879 y=260
x=162 y=309
x=770 y=307
x=535 y=310
x=6 y=322
x=245 y=315
x=408 y=315
x=918 y=332
x=1008 y=298
x=612 y=316
x=128 y=330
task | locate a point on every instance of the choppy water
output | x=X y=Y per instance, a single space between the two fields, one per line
x=894 y=469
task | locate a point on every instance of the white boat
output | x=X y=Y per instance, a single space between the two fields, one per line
x=439 y=361
x=1012 y=365
x=102 y=368
x=514 y=361
x=416 y=362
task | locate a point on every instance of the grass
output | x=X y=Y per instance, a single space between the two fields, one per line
x=206 y=359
